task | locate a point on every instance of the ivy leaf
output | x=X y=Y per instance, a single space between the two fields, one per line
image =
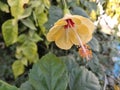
x=4 y=7
x=22 y=38
x=29 y=23
x=10 y=31
x=6 y=86
x=26 y=13
x=18 y=68
x=29 y=50
x=49 y=74
x=82 y=79
x=24 y=61
x=42 y=18
x=33 y=36
x=17 y=6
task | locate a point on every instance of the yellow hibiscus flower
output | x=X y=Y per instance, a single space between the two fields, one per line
x=71 y=30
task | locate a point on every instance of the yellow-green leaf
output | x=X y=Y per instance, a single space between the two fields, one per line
x=10 y=31
x=18 y=68
x=42 y=18
x=4 y=7
x=29 y=50
x=24 y=61
x=17 y=7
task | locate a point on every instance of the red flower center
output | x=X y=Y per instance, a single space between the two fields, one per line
x=70 y=23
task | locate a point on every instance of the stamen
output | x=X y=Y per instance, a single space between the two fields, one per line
x=70 y=24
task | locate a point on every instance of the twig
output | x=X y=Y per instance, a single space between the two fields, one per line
x=105 y=83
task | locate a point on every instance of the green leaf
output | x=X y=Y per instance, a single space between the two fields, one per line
x=29 y=23
x=49 y=74
x=26 y=86
x=10 y=31
x=6 y=86
x=18 y=68
x=82 y=79
x=4 y=7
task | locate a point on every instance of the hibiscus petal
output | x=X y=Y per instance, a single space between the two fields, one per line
x=60 y=22
x=73 y=37
x=84 y=33
x=87 y=22
x=86 y=39
x=53 y=32
x=77 y=21
x=63 y=40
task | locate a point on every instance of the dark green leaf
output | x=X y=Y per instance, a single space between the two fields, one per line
x=95 y=66
x=94 y=44
x=82 y=79
x=91 y=6
x=49 y=74
x=79 y=11
x=55 y=13
x=70 y=62
x=26 y=86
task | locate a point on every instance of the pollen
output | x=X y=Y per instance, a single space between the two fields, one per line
x=70 y=23
x=87 y=54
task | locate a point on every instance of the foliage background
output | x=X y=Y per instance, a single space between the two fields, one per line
x=23 y=43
